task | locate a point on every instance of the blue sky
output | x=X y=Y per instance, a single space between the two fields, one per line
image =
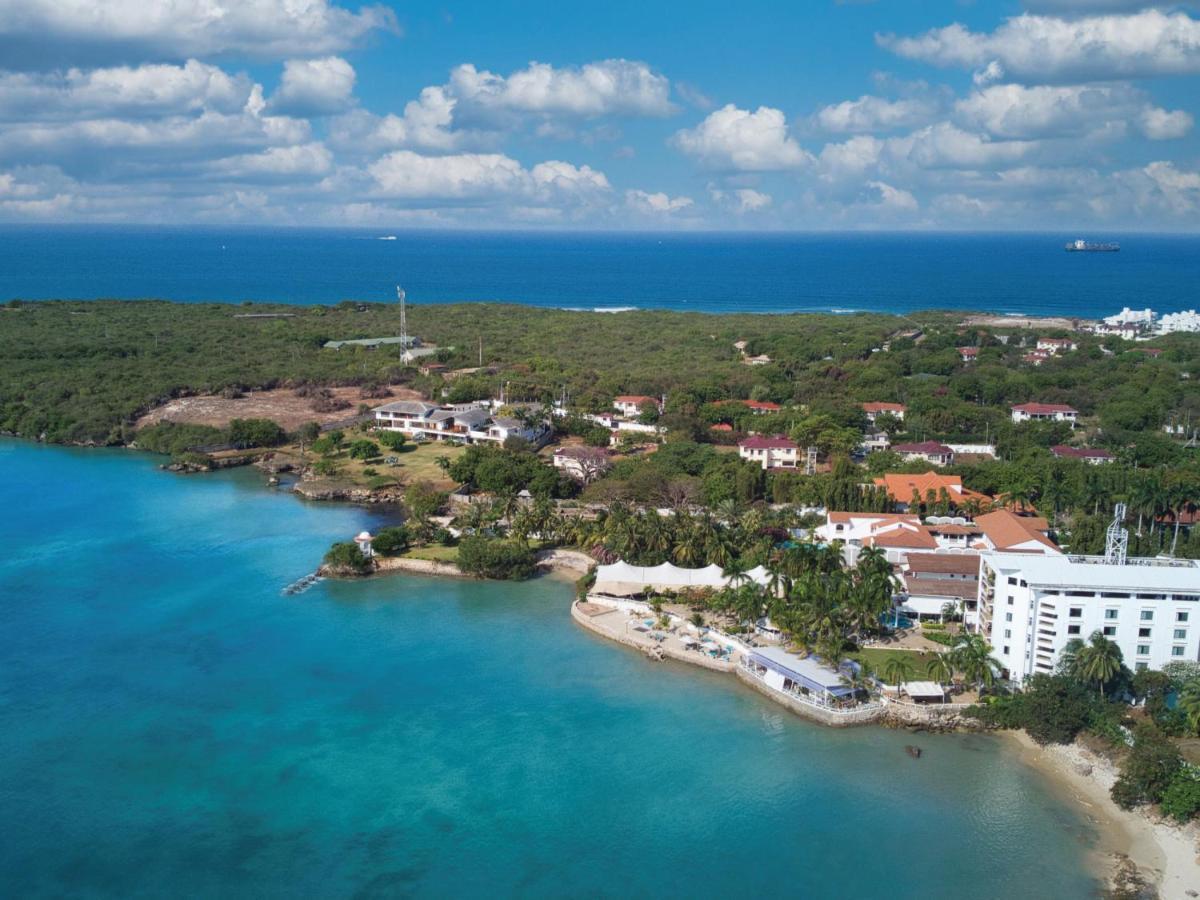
x=1044 y=114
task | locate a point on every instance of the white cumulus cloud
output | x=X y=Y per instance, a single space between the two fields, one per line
x=1019 y=112
x=869 y=113
x=133 y=92
x=1046 y=48
x=740 y=140
x=36 y=33
x=314 y=87
x=656 y=203
x=604 y=88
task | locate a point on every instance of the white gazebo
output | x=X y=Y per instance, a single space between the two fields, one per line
x=364 y=543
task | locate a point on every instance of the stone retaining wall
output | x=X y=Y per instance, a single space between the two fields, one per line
x=832 y=718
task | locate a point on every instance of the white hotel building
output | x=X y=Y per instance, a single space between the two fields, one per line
x=1030 y=606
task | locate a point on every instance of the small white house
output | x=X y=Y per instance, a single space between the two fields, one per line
x=631 y=404
x=1044 y=412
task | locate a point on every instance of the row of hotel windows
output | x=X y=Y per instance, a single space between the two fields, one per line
x=1108 y=595
x=1147 y=615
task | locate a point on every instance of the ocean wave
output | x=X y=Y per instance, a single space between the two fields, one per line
x=599 y=309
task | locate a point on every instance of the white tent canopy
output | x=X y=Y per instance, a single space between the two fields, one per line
x=666 y=577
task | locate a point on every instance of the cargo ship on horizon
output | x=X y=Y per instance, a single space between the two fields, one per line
x=1088 y=247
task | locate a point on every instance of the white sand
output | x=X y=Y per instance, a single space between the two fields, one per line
x=1166 y=853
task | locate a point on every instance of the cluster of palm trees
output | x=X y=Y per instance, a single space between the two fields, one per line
x=969 y=657
x=1098 y=660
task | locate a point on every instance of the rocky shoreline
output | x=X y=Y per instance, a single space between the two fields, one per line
x=1139 y=854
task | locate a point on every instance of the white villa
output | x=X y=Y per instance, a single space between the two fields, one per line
x=770 y=452
x=1044 y=412
x=874 y=410
x=631 y=404
x=468 y=424
x=1030 y=606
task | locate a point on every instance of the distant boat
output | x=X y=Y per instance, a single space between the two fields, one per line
x=388 y=237
x=1087 y=247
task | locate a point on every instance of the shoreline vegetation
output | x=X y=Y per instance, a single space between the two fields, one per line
x=202 y=383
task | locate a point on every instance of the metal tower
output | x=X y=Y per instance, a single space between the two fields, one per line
x=1116 y=539
x=403 y=324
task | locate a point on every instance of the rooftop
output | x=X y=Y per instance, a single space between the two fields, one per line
x=804 y=670
x=1007 y=530
x=1044 y=408
x=1138 y=574
x=944 y=563
x=759 y=442
x=884 y=407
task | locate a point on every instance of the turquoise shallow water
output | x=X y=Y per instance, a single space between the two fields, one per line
x=171 y=725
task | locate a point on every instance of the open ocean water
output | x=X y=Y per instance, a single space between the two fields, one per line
x=1023 y=273
x=171 y=725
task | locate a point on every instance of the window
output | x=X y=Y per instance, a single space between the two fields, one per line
x=1177 y=651
x=1141 y=667
x=1010 y=601
x=1110 y=631
x=1008 y=632
x=1181 y=617
x=1072 y=629
x=1006 y=649
x=1012 y=580
x=1143 y=649
x=1111 y=613
x=1008 y=617
x=1076 y=612
x=1181 y=634
x=1147 y=615
x=1143 y=632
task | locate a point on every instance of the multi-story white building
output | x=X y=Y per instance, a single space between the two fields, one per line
x=770 y=452
x=1186 y=320
x=1030 y=606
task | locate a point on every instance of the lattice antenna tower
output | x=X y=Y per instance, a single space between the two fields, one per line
x=403 y=323
x=1116 y=539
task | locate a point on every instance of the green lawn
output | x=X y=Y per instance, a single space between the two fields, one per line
x=433 y=552
x=873 y=659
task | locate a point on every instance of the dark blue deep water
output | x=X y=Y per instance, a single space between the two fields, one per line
x=1027 y=273
x=171 y=725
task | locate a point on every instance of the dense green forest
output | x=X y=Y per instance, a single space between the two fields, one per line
x=83 y=371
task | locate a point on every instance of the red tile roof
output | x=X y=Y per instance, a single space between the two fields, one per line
x=759 y=442
x=900 y=487
x=1044 y=409
x=884 y=407
x=923 y=447
x=1005 y=530
x=944 y=563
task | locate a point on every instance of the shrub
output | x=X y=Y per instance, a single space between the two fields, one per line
x=391 y=541
x=393 y=440
x=1181 y=800
x=1148 y=770
x=495 y=558
x=175 y=438
x=325 y=467
x=256 y=433
x=939 y=637
x=345 y=557
x=364 y=449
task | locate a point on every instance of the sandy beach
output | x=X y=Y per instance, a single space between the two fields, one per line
x=1166 y=855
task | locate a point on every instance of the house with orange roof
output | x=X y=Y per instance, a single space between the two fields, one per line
x=900 y=488
x=1006 y=531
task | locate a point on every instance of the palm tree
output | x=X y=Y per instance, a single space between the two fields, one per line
x=972 y=655
x=896 y=669
x=941 y=668
x=1189 y=702
x=1068 y=659
x=1100 y=660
